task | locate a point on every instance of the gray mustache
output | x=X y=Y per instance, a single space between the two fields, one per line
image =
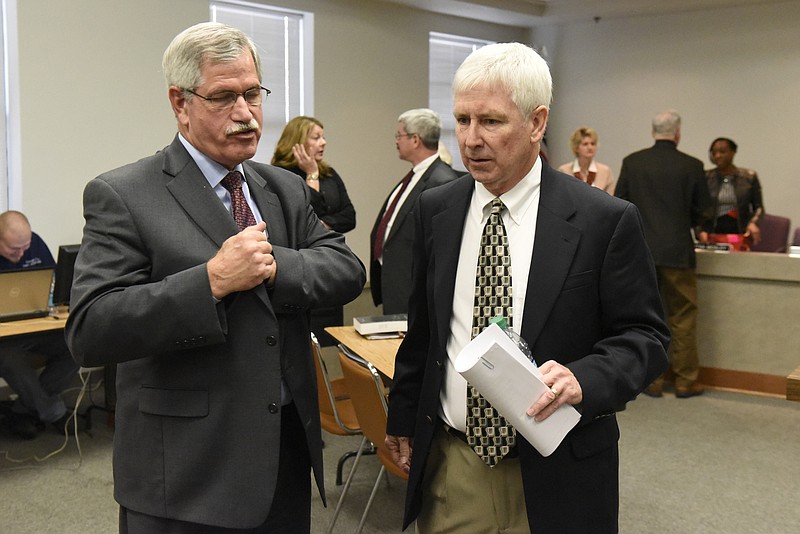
x=242 y=127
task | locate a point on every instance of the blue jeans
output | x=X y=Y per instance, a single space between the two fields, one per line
x=38 y=392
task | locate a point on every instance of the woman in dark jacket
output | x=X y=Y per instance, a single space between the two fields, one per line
x=735 y=191
x=300 y=149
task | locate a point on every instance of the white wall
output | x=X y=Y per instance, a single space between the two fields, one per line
x=732 y=73
x=93 y=95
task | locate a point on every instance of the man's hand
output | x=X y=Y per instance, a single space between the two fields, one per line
x=400 y=449
x=244 y=261
x=564 y=389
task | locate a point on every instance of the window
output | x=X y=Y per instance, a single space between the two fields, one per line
x=284 y=39
x=10 y=187
x=446 y=54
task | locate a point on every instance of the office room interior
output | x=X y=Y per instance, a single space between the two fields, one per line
x=90 y=96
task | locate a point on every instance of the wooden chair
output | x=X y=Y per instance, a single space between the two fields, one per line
x=368 y=395
x=336 y=412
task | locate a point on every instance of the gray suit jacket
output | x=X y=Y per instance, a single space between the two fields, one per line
x=592 y=304
x=390 y=282
x=199 y=384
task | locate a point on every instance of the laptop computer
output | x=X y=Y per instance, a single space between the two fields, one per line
x=25 y=293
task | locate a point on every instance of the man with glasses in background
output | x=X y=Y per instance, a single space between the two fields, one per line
x=196 y=273
x=417 y=140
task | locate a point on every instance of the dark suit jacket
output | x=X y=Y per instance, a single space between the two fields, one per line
x=199 y=384
x=592 y=304
x=669 y=188
x=390 y=282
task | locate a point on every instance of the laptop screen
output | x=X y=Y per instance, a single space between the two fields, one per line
x=25 y=293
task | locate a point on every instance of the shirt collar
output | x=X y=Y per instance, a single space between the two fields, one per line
x=213 y=171
x=423 y=165
x=518 y=199
x=576 y=167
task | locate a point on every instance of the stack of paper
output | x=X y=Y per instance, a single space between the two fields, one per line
x=493 y=363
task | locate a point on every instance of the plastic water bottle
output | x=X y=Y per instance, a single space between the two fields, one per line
x=500 y=321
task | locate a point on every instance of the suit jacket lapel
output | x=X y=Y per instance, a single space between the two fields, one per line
x=410 y=200
x=555 y=244
x=191 y=190
x=268 y=205
x=448 y=228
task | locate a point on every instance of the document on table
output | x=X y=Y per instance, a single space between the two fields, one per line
x=493 y=363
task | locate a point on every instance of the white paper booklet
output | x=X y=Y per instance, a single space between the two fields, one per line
x=493 y=363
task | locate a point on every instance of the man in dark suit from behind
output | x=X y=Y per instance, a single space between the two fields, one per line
x=670 y=190
x=417 y=140
x=196 y=274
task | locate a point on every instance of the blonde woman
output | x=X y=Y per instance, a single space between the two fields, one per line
x=584 y=145
x=301 y=149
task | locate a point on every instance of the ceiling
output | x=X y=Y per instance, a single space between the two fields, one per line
x=527 y=13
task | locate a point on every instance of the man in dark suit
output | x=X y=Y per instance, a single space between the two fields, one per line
x=583 y=295
x=417 y=140
x=205 y=310
x=670 y=190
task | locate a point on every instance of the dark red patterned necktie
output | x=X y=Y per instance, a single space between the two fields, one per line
x=239 y=207
x=380 y=234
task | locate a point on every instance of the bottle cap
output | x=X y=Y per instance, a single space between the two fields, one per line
x=500 y=321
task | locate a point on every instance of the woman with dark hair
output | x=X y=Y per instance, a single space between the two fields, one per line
x=300 y=149
x=735 y=191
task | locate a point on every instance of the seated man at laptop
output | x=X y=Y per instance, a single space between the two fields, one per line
x=38 y=394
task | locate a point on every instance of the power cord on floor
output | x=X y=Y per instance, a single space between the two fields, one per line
x=73 y=419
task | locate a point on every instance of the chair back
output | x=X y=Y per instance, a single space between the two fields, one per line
x=369 y=400
x=796 y=237
x=336 y=412
x=774 y=234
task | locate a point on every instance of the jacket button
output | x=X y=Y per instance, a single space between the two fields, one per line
x=271 y=341
x=273 y=408
x=429 y=419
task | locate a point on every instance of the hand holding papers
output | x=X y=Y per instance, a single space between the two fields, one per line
x=493 y=363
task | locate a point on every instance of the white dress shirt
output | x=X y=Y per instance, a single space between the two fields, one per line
x=419 y=169
x=519 y=218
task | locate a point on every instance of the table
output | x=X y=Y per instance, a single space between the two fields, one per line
x=379 y=352
x=33 y=326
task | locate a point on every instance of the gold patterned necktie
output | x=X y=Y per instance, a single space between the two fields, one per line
x=488 y=433
x=240 y=210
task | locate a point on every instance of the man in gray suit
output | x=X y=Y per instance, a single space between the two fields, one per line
x=417 y=140
x=205 y=313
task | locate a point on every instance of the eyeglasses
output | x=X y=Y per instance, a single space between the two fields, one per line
x=397 y=136
x=227 y=99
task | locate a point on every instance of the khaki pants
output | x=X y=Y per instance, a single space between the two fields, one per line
x=463 y=495
x=679 y=295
